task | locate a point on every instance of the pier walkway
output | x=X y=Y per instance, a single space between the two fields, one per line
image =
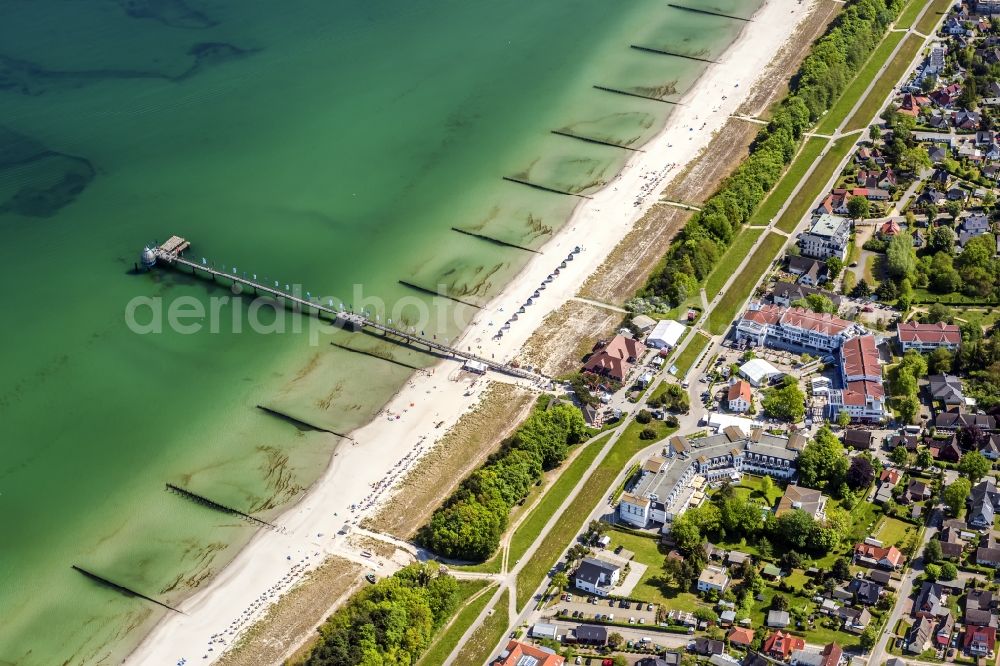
x=170 y=253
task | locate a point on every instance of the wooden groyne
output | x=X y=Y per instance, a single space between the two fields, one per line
x=672 y=54
x=374 y=355
x=545 y=188
x=698 y=10
x=127 y=591
x=495 y=241
x=212 y=504
x=433 y=292
x=619 y=91
x=600 y=142
x=299 y=423
x=350 y=321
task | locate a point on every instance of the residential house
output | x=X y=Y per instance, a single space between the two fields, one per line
x=946 y=450
x=740 y=636
x=927 y=337
x=799 y=498
x=931 y=601
x=810 y=271
x=865 y=592
x=988 y=556
x=980 y=641
x=984 y=502
x=860 y=440
x=589 y=634
x=917 y=491
x=921 y=635
x=991 y=447
x=887 y=482
x=596 y=576
x=946 y=389
x=953 y=420
x=909 y=442
x=827 y=237
x=615 y=358
x=968 y=120
x=778 y=619
x=971 y=227
x=521 y=654
x=942 y=633
x=780 y=644
x=713 y=578
x=740 y=396
x=888 y=229
x=855 y=620
x=883 y=578
x=707 y=646
x=876 y=556
x=952 y=544
x=830 y=655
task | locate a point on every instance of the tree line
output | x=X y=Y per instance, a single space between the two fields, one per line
x=391 y=622
x=822 y=77
x=469 y=524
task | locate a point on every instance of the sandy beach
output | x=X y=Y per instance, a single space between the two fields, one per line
x=364 y=471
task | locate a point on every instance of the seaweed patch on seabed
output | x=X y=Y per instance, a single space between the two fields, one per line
x=56 y=181
x=29 y=78
x=172 y=13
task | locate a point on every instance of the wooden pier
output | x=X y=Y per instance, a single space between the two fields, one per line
x=170 y=254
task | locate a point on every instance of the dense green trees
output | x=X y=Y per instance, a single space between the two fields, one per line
x=955 y=495
x=469 y=524
x=974 y=465
x=823 y=463
x=821 y=79
x=816 y=303
x=389 y=623
x=786 y=402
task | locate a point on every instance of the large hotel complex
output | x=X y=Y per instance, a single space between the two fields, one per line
x=674 y=482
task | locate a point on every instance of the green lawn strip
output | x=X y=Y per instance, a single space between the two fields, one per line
x=527 y=531
x=856 y=88
x=740 y=289
x=909 y=13
x=885 y=83
x=446 y=641
x=594 y=491
x=683 y=361
x=738 y=249
x=814 y=145
x=814 y=185
x=479 y=647
x=933 y=15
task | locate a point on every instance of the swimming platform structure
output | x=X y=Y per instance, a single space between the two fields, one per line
x=170 y=253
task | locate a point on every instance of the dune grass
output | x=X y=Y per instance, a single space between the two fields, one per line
x=738 y=249
x=885 y=83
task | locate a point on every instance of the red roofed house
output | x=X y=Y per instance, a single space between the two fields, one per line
x=980 y=641
x=859 y=360
x=515 y=652
x=925 y=337
x=891 y=476
x=615 y=358
x=886 y=558
x=740 y=396
x=832 y=654
x=740 y=636
x=863 y=396
x=889 y=228
x=780 y=645
x=947 y=450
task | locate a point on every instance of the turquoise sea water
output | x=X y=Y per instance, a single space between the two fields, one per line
x=328 y=144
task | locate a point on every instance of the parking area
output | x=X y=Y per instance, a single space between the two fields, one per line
x=653 y=640
x=622 y=611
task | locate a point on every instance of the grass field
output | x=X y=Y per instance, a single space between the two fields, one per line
x=884 y=84
x=533 y=524
x=727 y=265
x=647 y=551
x=909 y=13
x=838 y=112
x=933 y=15
x=725 y=311
x=478 y=650
x=594 y=491
x=814 y=145
x=690 y=353
x=446 y=642
x=892 y=532
x=813 y=185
